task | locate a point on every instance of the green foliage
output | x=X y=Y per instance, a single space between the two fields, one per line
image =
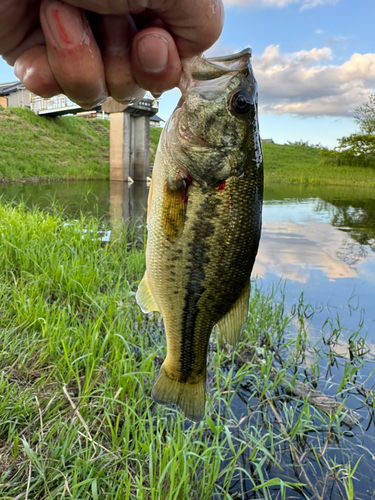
x=357 y=150
x=37 y=147
x=365 y=116
x=354 y=150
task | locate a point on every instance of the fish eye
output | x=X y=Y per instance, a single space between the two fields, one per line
x=240 y=102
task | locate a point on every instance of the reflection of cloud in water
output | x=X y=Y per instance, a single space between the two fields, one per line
x=341 y=348
x=293 y=251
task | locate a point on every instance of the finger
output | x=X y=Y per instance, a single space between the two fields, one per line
x=33 y=69
x=17 y=19
x=194 y=24
x=156 y=62
x=115 y=34
x=73 y=53
x=36 y=37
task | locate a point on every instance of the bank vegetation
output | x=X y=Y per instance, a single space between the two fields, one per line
x=36 y=148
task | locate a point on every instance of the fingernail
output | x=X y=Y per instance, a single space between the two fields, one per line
x=65 y=23
x=153 y=53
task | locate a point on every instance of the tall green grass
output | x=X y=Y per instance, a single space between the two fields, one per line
x=37 y=147
x=41 y=148
x=77 y=361
x=302 y=164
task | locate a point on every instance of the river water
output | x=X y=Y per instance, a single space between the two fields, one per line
x=321 y=240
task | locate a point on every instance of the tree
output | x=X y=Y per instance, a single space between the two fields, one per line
x=365 y=116
x=356 y=149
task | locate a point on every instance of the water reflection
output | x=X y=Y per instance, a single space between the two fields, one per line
x=127 y=202
x=113 y=200
x=294 y=251
x=321 y=241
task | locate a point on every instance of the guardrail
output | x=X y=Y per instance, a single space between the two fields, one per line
x=38 y=104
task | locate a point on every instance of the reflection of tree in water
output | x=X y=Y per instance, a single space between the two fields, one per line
x=352 y=252
x=357 y=218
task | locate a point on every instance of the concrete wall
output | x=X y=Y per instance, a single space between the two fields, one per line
x=141 y=155
x=19 y=98
x=116 y=147
x=129 y=146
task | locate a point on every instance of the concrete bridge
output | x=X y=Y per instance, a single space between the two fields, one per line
x=129 y=131
x=130 y=138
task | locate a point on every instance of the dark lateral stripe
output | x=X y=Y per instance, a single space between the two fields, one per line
x=198 y=258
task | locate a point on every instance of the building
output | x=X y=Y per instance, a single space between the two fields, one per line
x=156 y=121
x=14 y=94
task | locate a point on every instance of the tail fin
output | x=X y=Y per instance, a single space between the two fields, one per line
x=190 y=398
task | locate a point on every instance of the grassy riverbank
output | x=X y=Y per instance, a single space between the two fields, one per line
x=35 y=147
x=77 y=360
x=38 y=148
x=303 y=165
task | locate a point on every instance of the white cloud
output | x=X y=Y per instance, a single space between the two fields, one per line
x=302 y=83
x=319 y=32
x=310 y=4
x=305 y=4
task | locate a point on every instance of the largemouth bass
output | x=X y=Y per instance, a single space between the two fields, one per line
x=204 y=221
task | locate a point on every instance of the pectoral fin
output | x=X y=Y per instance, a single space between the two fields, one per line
x=231 y=324
x=144 y=296
x=174 y=209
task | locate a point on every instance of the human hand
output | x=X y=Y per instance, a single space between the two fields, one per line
x=89 y=49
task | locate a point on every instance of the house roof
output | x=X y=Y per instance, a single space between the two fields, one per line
x=157 y=118
x=10 y=87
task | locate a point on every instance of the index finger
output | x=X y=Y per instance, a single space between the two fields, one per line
x=194 y=24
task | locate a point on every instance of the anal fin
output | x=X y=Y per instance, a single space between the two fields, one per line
x=231 y=324
x=144 y=296
x=190 y=398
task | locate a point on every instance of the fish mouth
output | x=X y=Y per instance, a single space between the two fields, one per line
x=232 y=57
x=231 y=62
x=201 y=69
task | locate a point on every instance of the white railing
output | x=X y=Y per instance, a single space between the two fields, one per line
x=38 y=104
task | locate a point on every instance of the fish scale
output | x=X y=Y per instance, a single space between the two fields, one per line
x=204 y=222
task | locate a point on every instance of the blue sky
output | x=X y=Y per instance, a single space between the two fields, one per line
x=314 y=61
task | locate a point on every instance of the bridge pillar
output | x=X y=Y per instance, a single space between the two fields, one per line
x=129 y=139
